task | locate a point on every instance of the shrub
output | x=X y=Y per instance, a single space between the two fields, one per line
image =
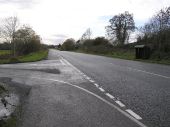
x=26 y=41
x=68 y=45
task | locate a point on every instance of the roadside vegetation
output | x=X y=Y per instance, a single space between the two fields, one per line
x=154 y=34
x=31 y=57
x=4 y=52
x=21 y=44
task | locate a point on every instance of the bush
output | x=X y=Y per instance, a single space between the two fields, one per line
x=27 y=41
x=68 y=45
x=101 y=41
x=98 y=45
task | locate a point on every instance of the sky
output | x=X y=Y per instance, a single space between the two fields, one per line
x=57 y=20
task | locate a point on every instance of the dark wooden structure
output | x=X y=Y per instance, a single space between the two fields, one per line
x=142 y=52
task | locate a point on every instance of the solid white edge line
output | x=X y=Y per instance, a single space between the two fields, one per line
x=110 y=96
x=120 y=103
x=134 y=114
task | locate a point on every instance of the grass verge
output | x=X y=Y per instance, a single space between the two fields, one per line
x=36 y=56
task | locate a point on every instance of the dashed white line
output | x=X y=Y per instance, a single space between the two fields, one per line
x=110 y=96
x=136 y=116
x=88 y=78
x=120 y=103
x=96 y=84
x=101 y=89
x=92 y=81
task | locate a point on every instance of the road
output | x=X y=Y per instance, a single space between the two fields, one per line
x=80 y=90
x=142 y=87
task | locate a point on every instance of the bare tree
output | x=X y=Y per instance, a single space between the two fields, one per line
x=157 y=30
x=87 y=34
x=121 y=27
x=8 y=29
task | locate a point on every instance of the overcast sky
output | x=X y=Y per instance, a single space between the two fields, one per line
x=56 y=20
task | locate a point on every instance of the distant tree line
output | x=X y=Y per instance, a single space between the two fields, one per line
x=98 y=45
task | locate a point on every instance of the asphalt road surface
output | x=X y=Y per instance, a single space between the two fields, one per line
x=142 y=87
x=95 y=92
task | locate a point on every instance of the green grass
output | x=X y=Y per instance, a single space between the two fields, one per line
x=36 y=56
x=129 y=55
x=4 y=52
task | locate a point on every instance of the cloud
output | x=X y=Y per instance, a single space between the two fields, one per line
x=53 y=41
x=60 y=36
x=20 y=3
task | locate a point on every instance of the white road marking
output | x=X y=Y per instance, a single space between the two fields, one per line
x=120 y=103
x=147 y=72
x=101 y=89
x=62 y=62
x=88 y=78
x=134 y=114
x=96 y=84
x=100 y=98
x=110 y=96
x=92 y=81
x=150 y=73
x=68 y=63
x=135 y=117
